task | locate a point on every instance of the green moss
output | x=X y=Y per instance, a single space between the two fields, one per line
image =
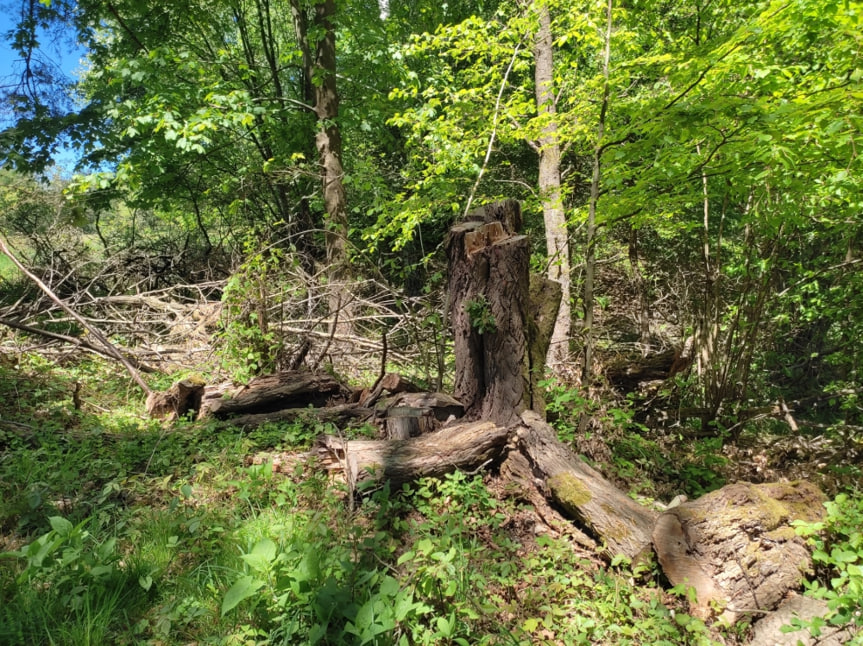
x=569 y=490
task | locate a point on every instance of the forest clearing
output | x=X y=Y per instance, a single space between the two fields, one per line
x=351 y=322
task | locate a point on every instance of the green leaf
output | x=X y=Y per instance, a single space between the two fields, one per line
x=60 y=525
x=244 y=588
x=262 y=555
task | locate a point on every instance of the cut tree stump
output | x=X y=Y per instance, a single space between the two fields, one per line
x=497 y=333
x=736 y=546
x=180 y=399
x=409 y=414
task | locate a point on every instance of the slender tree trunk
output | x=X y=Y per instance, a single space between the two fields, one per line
x=590 y=261
x=641 y=293
x=556 y=239
x=320 y=74
x=707 y=336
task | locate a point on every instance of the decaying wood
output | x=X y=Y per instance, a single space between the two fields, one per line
x=496 y=335
x=181 y=398
x=736 y=546
x=768 y=631
x=583 y=493
x=340 y=414
x=517 y=471
x=410 y=414
x=390 y=382
x=464 y=446
x=292 y=389
x=110 y=349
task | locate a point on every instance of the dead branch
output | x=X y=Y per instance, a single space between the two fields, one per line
x=109 y=347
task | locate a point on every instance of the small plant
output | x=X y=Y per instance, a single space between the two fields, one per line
x=249 y=345
x=837 y=543
x=479 y=313
x=72 y=587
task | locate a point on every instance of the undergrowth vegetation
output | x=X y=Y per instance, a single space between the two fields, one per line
x=115 y=529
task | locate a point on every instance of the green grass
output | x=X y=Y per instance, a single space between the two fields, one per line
x=115 y=530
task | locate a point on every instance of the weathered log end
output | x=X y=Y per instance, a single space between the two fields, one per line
x=179 y=400
x=736 y=546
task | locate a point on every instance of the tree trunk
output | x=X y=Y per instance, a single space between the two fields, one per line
x=320 y=73
x=489 y=310
x=557 y=241
x=590 y=260
x=269 y=393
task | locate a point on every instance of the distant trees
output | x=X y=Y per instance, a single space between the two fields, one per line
x=727 y=134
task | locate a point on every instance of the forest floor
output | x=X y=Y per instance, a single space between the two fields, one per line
x=118 y=529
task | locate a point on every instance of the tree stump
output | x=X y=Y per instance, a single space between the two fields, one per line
x=736 y=546
x=496 y=331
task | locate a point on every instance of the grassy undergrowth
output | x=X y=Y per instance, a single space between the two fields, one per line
x=117 y=530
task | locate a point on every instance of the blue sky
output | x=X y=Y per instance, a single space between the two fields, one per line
x=10 y=63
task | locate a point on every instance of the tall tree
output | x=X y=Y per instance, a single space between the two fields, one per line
x=548 y=148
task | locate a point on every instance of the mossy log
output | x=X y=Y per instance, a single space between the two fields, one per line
x=736 y=546
x=583 y=493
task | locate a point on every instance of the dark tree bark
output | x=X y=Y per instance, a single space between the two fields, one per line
x=269 y=393
x=492 y=316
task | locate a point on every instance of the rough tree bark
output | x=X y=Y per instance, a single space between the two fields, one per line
x=494 y=322
x=464 y=446
x=736 y=546
x=283 y=390
x=583 y=493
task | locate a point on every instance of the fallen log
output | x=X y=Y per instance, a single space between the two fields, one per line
x=465 y=446
x=268 y=393
x=339 y=415
x=583 y=493
x=736 y=547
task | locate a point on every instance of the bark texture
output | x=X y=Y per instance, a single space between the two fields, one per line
x=736 y=546
x=269 y=393
x=464 y=446
x=584 y=494
x=554 y=217
x=488 y=291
